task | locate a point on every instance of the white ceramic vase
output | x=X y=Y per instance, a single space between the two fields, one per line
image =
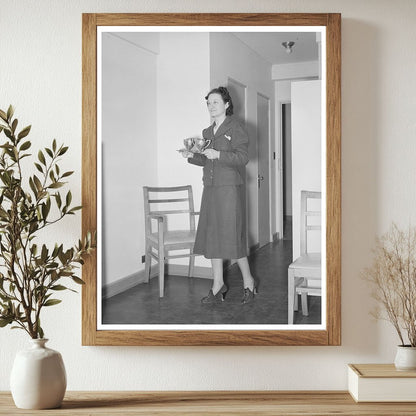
x=38 y=377
x=405 y=358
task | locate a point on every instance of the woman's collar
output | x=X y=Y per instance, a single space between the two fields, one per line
x=222 y=125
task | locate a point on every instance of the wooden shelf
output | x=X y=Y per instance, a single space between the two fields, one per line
x=212 y=403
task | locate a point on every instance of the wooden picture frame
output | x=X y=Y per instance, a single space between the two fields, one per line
x=331 y=335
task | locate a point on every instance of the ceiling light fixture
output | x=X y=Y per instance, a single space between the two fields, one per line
x=288 y=46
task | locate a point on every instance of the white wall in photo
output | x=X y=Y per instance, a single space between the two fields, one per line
x=306 y=153
x=129 y=141
x=183 y=82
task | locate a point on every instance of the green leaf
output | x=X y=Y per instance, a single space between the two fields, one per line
x=14 y=125
x=39 y=167
x=37 y=183
x=10 y=112
x=45 y=211
x=24 y=132
x=44 y=253
x=54 y=145
x=5 y=321
x=63 y=151
x=56 y=185
x=76 y=279
x=51 y=302
x=66 y=274
x=33 y=187
x=59 y=287
x=40 y=331
x=41 y=157
x=49 y=152
x=25 y=145
x=72 y=210
x=3 y=115
x=33 y=227
x=62 y=257
x=68 y=198
x=8 y=133
x=54 y=276
x=67 y=174
x=58 y=199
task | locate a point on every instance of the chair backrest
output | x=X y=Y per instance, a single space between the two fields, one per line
x=154 y=197
x=305 y=214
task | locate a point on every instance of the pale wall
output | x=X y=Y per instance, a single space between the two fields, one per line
x=306 y=155
x=129 y=127
x=183 y=82
x=41 y=76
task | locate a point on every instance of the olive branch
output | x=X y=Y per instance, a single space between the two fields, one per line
x=30 y=272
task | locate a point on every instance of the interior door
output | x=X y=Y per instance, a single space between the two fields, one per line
x=286 y=115
x=238 y=94
x=263 y=177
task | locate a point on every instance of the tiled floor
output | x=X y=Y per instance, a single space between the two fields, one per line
x=182 y=301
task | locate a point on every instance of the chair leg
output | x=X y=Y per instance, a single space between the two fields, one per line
x=304 y=298
x=290 y=295
x=147 y=263
x=191 y=266
x=296 y=302
x=161 y=275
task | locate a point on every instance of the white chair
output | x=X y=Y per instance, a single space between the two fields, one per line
x=304 y=274
x=159 y=243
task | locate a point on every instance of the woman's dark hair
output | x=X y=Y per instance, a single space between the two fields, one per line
x=226 y=97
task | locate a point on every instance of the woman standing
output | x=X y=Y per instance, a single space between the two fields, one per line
x=221 y=232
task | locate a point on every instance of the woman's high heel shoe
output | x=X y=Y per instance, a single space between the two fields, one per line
x=218 y=297
x=249 y=294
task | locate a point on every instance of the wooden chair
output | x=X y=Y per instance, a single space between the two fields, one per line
x=304 y=274
x=160 y=242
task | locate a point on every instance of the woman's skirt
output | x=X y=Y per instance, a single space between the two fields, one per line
x=221 y=232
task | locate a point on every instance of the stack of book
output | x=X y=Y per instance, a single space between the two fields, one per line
x=381 y=383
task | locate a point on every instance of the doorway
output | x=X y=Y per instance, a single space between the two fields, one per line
x=286 y=117
x=263 y=176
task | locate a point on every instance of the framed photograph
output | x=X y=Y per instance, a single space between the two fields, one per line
x=245 y=196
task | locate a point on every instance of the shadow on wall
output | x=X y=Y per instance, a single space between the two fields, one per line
x=361 y=48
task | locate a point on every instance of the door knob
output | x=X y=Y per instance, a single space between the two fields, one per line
x=259 y=179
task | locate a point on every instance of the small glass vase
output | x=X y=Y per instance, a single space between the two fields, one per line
x=405 y=358
x=38 y=377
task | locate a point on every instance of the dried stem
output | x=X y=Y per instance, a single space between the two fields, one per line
x=393 y=276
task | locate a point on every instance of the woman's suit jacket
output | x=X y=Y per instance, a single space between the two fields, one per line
x=231 y=140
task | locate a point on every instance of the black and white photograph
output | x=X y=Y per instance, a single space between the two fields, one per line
x=211 y=177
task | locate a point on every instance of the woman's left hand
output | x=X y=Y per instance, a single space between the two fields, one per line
x=211 y=154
